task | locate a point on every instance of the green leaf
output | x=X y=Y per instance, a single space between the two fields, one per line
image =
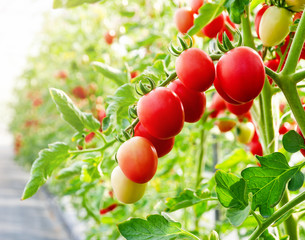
x=237 y=216
x=267 y=236
x=44 y=165
x=156 y=227
x=296 y=181
x=71 y=114
x=293 y=142
x=118 y=76
x=72 y=170
x=71 y=3
x=255 y=3
x=231 y=190
x=236 y=9
x=186 y=199
x=233 y=160
x=267 y=183
x=118 y=104
x=207 y=13
x=155 y=72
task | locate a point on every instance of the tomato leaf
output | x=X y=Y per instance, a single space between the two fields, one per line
x=70 y=171
x=207 y=13
x=293 y=142
x=44 y=165
x=231 y=193
x=71 y=3
x=236 y=9
x=155 y=72
x=267 y=183
x=185 y=199
x=71 y=114
x=116 y=75
x=118 y=104
x=296 y=181
x=155 y=227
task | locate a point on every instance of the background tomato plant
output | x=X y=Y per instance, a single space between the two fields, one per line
x=97 y=55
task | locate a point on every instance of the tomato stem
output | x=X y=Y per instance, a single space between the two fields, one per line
x=298 y=76
x=246 y=26
x=170 y=78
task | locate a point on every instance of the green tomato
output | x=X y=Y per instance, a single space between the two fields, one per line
x=274 y=26
x=245 y=132
x=296 y=5
x=125 y=190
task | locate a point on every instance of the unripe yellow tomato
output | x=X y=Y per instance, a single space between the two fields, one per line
x=125 y=190
x=245 y=132
x=274 y=26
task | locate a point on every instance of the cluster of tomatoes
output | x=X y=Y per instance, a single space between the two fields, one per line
x=184 y=20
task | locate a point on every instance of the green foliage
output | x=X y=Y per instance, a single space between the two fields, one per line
x=71 y=3
x=293 y=142
x=236 y=9
x=267 y=183
x=44 y=165
x=154 y=227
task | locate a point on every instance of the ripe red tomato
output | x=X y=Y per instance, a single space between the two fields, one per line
x=89 y=137
x=184 y=19
x=274 y=25
x=213 y=28
x=109 y=37
x=193 y=102
x=138 y=159
x=195 y=5
x=161 y=113
x=79 y=92
x=239 y=109
x=195 y=69
x=218 y=105
x=222 y=93
x=241 y=74
x=258 y=18
x=246 y=116
x=284 y=128
x=225 y=124
x=61 y=74
x=163 y=147
x=124 y=189
x=108 y=209
x=256 y=148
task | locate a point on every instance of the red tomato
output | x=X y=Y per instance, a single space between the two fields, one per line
x=193 y=102
x=258 y=18
x=133 y=74
x=184 y=19
x=241 y=74
x=161 y=113
x=225 y=124
x=299 y=132
x=89 y=137
x=284 y=128
x=195 y=69
x=222 y=93
x=124 y=189
x=256 y=148
x=79 y=92
x=62 y=74
x=195 y=5
x=273 y=64
x=239 y=109
x=163 y=147
x=213 y=28
x=109 y=37
x=108 y=209
x=218 y=105
x=246 y=116
x=138 y=159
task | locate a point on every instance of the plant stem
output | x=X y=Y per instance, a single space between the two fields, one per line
x=246 y=27
x=170 y=78
x=298 y=76
x=276 y=215
x=100 y=149
x=296 y=48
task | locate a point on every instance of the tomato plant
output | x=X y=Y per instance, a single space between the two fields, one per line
x=245 y=132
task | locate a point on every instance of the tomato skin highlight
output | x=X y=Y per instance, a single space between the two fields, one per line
x=274 y=26
x=161 y=113
x=195 y=5
x=125 y=190
x=184 y=19
x=213 y=28
x=239 y=109
x=138 y=159
x=241 y=74
x=162 y=147
x=195 y=69
x=193 y=102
